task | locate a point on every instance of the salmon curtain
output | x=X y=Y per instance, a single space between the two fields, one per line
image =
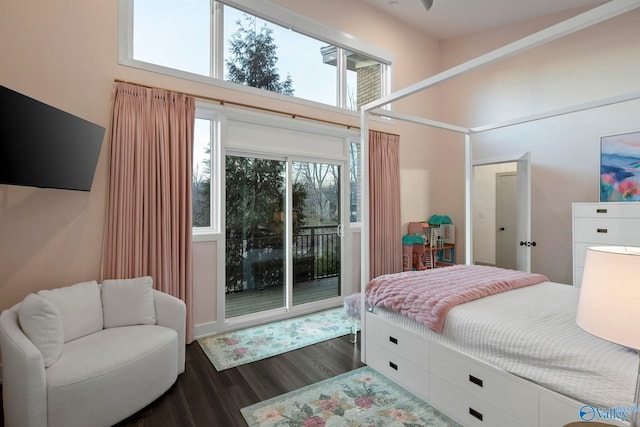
x=149 y=214
x=385 y=235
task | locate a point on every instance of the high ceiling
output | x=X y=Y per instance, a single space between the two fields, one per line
x=450 y=18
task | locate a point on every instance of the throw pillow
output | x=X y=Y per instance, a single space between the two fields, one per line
x=128 y=302
x=79 y=306
x=41 y=323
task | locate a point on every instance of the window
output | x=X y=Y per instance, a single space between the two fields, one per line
x=297 y=58
x=217 y=42
x=355 y=182
x=204 y=191
x=365 y=80
x=186 y=46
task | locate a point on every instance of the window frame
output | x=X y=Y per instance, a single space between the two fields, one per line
x=276 y=14
x=209 y=111
x=351 y=143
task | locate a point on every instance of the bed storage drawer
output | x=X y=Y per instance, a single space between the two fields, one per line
x=468 y=409
x=558 y=410
x=398 y=369
x=486 y=383
x=410 y=345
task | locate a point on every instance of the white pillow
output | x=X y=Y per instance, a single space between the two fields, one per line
x=79 y=306
x=128 y=302
x=41 y=323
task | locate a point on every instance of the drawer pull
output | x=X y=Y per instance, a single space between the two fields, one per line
x=393 y=366
x=475 y=414
x=602 y=230
x=477 y=381
x=393 y=340
x=601 y=211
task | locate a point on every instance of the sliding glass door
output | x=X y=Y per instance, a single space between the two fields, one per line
x=316 y=231
x=282 y=233
x=255 y=261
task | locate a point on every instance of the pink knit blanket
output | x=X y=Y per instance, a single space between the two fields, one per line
x=427 y=296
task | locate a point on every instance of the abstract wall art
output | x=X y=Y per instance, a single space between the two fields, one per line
x=620 y=167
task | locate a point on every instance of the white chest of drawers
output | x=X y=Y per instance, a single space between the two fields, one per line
x=598 y=224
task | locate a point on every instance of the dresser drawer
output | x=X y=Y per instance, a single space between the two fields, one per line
x=414 y=378
x=487 y=383
x=607 y=210
x=394 y=338
x=607 y=231
x=602 y=224
x=471 y=410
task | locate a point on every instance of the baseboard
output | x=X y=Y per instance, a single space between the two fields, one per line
x=205 y=330
x=488 y=264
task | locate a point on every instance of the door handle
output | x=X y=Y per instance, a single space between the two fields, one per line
x=501 y=228
x=339 y=230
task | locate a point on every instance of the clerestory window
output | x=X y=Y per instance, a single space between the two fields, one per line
x=255 y=44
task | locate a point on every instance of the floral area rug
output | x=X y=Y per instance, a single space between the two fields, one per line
x=248 y=345
x=360 y=398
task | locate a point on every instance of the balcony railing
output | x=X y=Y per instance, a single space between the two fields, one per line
x=258 y=262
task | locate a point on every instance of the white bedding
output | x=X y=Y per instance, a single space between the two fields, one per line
x=531 y=332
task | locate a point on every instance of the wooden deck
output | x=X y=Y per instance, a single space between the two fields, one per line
x=246 y=302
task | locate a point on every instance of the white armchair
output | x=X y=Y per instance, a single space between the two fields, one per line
x=89 y=354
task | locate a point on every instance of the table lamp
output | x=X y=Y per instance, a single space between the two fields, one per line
x=609 y=305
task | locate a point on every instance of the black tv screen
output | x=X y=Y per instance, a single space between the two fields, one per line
x=42 y=146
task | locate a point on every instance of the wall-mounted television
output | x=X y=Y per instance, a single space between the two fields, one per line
x=42 y=146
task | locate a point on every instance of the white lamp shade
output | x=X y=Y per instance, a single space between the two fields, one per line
x=609 y=305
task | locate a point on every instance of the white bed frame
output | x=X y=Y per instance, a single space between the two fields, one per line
x=552 y=407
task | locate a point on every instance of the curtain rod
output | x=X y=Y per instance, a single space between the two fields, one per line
x=240 y=104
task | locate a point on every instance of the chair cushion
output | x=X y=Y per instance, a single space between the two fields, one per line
x=107 y=376
x=128 y=302
x=41 y=323
x=80 y=308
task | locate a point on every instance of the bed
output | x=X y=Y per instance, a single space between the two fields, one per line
x=524 y=340
x=466 y=381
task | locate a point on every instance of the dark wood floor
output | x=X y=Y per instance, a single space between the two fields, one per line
x=204 y=397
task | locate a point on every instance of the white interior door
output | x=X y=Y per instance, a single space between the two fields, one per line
x=524 y=213
x=506 y=220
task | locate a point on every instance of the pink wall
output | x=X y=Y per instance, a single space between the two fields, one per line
x=61 y=53
x=65 y=53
